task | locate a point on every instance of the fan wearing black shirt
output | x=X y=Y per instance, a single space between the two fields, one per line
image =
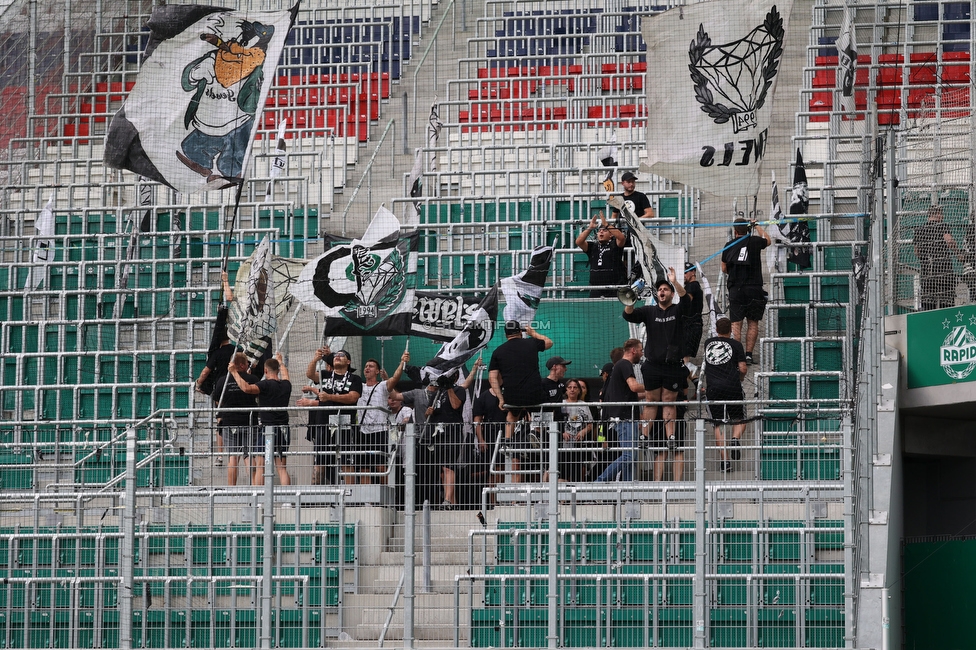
x=445 y=423
x=664 y=370
x=742 y=261
x=237 y=426
x=553 y=384
x=623 y=386
x=725 y=366
x=513 y=373
x=693 y=320
x=274 y=391
x=339 y=387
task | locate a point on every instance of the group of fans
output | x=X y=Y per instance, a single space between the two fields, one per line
x=604 y=433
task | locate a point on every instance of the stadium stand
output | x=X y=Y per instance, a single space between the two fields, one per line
x=117 y=528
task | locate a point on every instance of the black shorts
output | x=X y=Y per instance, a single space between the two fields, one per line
x=282 y=438
x=726 y=412
x=748 y=302
x=668 y=377
x=238 y=440
x=373 y=448
x=657 y=434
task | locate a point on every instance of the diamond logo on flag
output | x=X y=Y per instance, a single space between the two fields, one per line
x=740 y=72
x=713 y=69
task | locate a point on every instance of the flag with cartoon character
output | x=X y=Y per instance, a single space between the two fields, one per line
x=190 y=119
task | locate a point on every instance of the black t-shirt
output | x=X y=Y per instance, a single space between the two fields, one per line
x=274 y=393
x=606 y=263
x=219 y=360
x=696 y=298
x=486 y=406
x=518 y=362
x=722 y=356
x=555 y=390
x=234 y=397
x=617 y=390
x=640 y=201
x=743 y=262
x=334 y=383
x=663 y=327
x=443 y=411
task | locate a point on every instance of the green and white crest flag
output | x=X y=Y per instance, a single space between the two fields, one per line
x=713 y=68
x=190 y=119
x=366 y=285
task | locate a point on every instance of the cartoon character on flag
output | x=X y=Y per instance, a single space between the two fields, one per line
x=190 y=119
x=226 y=86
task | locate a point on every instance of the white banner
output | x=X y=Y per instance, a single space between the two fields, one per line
x=712 y=72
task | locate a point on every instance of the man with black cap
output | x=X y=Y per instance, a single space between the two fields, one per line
x=664 y=370
x=642 y=205
x=553 y=384
x=742 y=261
x=606 y=256
x=513 y=372
x=338 y=387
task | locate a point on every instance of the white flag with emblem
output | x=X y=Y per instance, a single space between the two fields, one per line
x=712 y=73
x=847 y=61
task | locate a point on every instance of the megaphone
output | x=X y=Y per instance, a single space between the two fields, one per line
x=631 y=293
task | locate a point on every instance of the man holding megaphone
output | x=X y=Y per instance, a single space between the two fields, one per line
x=664 y=371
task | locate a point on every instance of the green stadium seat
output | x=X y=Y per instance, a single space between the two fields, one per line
x=533 y=626
x=820 y=462
x=787 y=356
x=733 y=591
x=514 y=589
x=824 y=628
x=827 y=591
x=675 y=627
x=627 y=628
x=738 y=547
x=579 y=628
x=16 y=471
x=785 y=547
x=679 y=591
x=776 y=627
x=728 y=628
x=791 y=322
x=779 y=591
x=487 y=626
x=833 y=540
x=828 y=356
x=796 y=289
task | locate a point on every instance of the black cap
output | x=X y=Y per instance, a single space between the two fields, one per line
x=512 y=327
x=607 y=369
x=556 y=361
x=657 y=285
x=628 y=176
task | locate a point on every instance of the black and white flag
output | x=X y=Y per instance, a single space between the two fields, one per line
x=524 y=291
x=364 y=286
x=434 y=126
x=608 y=158
x=416 y=186
x=253 y=316
x=43 y=246
x=778 y=233
x=648 y=264
x=847 y=61
x=712 y=75
x=441 y=316
x=279 y=162
x=799 y=204
x=470 y=340
x=190 y=119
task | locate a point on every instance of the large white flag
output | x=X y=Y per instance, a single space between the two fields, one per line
x=712 y=72
x=190 y=120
